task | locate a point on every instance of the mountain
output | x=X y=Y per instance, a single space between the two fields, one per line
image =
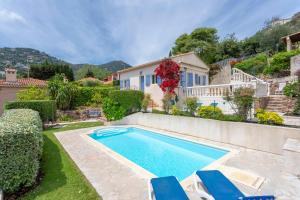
x=112 y=66
x=22 y=57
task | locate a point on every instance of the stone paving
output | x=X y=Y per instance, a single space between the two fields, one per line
x=115 y=181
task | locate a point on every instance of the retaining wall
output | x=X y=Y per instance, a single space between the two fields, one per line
x=254 y=136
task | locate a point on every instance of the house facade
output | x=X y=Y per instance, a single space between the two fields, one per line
x=193 y=72
x=194 y=81
x=11 y=85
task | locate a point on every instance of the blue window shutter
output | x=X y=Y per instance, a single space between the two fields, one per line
x=121 y=84
x=158 y=80
x=190 y=79
x=148 y=80
x=129 y=83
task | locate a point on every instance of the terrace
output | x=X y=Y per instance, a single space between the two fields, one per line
x=253 y=171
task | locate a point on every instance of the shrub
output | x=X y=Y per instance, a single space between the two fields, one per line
x=159 y=111
x=46 y=108
x=130 y=100
x=191 y=104
x=233 y=118
x=293 y=90
x=112 y=110
x=210 y=112
x=255 y=65
x=271 y=118
x=167 y=102
x=33 y=93
x=90 y=95
x=175 y=110
x=280 y=63
x=21 y=148
x=242 y=101
x=65 y=118
x=146 y=101
x=89 y=82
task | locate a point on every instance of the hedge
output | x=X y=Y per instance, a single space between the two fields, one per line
x=130 y=100
x=46 y=108
x=85 y=94
x=21 y=145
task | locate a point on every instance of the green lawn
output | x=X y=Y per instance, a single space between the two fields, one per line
x=62 y=179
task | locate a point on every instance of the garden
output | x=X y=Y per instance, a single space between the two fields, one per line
x=242 y=102
x=33 y=165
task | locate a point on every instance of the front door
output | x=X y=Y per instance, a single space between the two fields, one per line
x=142 y=83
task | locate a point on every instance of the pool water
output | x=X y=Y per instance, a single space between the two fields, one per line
x=159 y=154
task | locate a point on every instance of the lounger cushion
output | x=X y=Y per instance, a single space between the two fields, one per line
x=168 y=188
x=270 y=197
x=219 y=186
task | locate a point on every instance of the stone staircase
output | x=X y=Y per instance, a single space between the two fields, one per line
x=280 y=103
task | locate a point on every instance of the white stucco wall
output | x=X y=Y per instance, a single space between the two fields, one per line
x=154 y=90
x=254 y=136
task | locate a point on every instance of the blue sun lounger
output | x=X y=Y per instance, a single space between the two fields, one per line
x=166 y=188
x=218 y=187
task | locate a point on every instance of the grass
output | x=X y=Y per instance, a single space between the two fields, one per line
x=62 y=179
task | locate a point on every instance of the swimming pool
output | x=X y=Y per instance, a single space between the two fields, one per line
x=159 y=154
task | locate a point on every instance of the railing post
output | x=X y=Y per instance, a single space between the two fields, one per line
x=1 y=195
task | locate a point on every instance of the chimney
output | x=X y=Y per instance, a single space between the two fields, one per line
x=10 y=75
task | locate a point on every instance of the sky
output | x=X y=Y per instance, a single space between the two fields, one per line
x=135 y=31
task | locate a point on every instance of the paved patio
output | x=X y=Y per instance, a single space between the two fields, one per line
x=113 y=180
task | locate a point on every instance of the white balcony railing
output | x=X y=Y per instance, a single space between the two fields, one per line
x=216 y=90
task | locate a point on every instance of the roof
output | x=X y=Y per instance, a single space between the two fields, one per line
x=295 y=37
x=89 y=79
x=152 y=63
x=23 y=82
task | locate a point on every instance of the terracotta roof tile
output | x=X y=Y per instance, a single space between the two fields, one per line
x=23 y=82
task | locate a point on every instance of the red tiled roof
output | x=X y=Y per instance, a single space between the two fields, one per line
x=23 y=82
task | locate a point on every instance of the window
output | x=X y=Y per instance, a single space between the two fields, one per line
x=197 y=79
x=121 y=84
x=127 y=83
x=148 y=80
x=190 y=80
x=153 y=79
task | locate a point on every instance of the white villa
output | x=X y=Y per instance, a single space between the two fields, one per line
x=194 y=81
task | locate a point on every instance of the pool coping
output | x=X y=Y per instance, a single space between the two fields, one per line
x=143 y=173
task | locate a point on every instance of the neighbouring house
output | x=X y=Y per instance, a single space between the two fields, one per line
x=292 y=41
x=194 y=81
x=11 y=85
x=109 y=79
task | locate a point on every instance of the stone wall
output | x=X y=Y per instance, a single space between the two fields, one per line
x=295 y=64
x=254 y=136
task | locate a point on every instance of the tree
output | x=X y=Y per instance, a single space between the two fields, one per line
x=168 y=71
x=97 y=72
x=89 y=73
x=62 y=91
x=229 y=47
x=46 y=70
x=202 y=40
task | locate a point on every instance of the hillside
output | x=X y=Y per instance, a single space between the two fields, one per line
x=22 y=57
x=112 y=66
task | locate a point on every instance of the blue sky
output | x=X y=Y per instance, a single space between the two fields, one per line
x=135 y=31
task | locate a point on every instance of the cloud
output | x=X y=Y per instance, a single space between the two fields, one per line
x=136 y=31
x=10 y=16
